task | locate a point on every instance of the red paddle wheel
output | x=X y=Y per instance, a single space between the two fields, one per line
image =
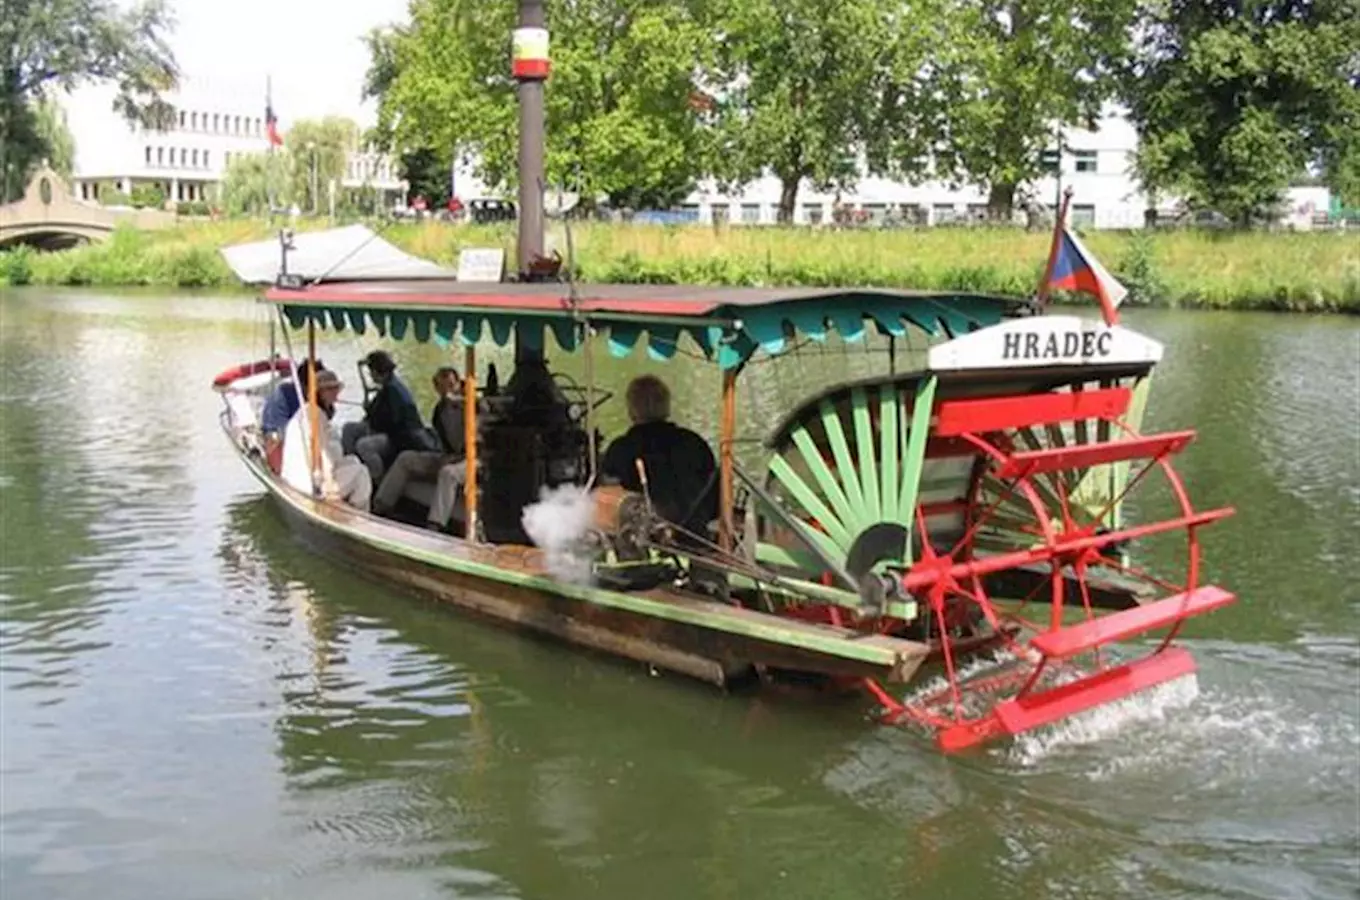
x=1033 y=536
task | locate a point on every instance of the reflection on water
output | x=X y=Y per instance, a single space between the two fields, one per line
x=195 y=706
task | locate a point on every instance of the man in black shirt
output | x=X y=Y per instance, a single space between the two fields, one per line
x=446 y=467
x=391 y=420
x=681 y=471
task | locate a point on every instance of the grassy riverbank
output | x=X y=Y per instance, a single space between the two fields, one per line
x=1307 y=272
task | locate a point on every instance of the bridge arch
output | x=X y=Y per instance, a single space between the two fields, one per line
x=51 y=236
x=48 y=217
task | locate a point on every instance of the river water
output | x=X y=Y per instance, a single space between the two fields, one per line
x=196 y=707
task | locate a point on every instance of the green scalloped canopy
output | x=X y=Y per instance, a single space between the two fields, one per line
x=729 y=325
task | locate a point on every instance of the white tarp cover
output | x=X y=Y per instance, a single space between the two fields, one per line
x=353 y=253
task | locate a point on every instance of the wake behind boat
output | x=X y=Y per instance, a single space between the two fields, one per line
x=961 y=523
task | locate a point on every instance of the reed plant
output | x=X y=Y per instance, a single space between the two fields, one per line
x=1317 y=271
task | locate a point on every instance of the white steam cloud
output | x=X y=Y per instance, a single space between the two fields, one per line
x=559 y=524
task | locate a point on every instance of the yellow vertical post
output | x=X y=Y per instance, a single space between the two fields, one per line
x=726 y=437
x=470 y=440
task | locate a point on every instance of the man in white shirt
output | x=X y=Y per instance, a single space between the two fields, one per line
x=341 y=477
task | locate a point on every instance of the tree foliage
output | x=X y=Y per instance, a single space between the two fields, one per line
x=59 y=147
x=804 y=88
x=1232 y=101
x=320 y=151
x=58 y=45
x=1007 y=74
x=256 y=184
x=620 y=120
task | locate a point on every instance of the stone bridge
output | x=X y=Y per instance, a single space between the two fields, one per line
x=49 y=218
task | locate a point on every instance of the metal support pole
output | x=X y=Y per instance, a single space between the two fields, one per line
x=530 y=66
x=531 y=146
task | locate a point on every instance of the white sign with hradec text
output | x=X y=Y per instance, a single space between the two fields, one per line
x=481 y=264
x=1045 y=341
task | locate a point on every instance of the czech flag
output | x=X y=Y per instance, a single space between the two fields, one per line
x=271 y=125
x=1074 y=268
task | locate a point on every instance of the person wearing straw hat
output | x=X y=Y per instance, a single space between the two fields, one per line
x=342 y=477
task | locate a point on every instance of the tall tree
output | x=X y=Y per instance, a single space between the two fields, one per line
x=254 y=181
x=51 y=45
x=426 y=173
x=1008 y=73
x=620 y=120
x=59 y=147
x=1232 y=100
x=320 y=151
x=804 y=88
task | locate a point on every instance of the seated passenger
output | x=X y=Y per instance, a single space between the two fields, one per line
x=679 y=465
x=391 y=420
x=447 y=467
x=279 y=408
x=342 y=477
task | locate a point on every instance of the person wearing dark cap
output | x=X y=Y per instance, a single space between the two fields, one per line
x=391 y=419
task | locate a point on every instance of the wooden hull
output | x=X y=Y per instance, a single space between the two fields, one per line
x=708 y=640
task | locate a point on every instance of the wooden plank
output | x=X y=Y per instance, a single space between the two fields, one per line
x=888 y=442
x=865 y=457
x=845 y=463
x=811 y=503
x=1081 y=456
x=826 y=479
x=1074 y=639
x=980 y=415
x=913 y=457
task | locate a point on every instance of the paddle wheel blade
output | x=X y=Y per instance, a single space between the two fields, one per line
x=1032 y=711
x=1063 y=643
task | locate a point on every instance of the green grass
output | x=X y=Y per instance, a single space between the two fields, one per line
x=1309 y=272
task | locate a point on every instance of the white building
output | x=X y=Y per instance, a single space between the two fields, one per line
x=1095 y=164
x=214 y=123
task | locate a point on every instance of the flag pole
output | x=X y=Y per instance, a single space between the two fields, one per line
x=269 y=159
x=1059 y=224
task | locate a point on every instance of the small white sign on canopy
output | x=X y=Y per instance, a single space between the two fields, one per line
x=481 y=264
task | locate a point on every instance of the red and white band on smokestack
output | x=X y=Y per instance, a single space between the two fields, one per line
x=530 y=54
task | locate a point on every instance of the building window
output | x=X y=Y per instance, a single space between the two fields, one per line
x=877 y=212
x=193 y=121
x=1083 y=215
x=160 y=156
x=812 y=213
x=720 y=212
x=1086 y=160
x=195 y=159
x=977 y=212
x=944 y=213
x=181 y=118
x=750 y=214
x=257 y=126
x=205 y=159
x=226 y=158
x=148 y=154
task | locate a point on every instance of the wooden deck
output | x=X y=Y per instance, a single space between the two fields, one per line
x=706 y=639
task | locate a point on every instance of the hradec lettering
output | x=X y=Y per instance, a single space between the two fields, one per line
x=1067 y=345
